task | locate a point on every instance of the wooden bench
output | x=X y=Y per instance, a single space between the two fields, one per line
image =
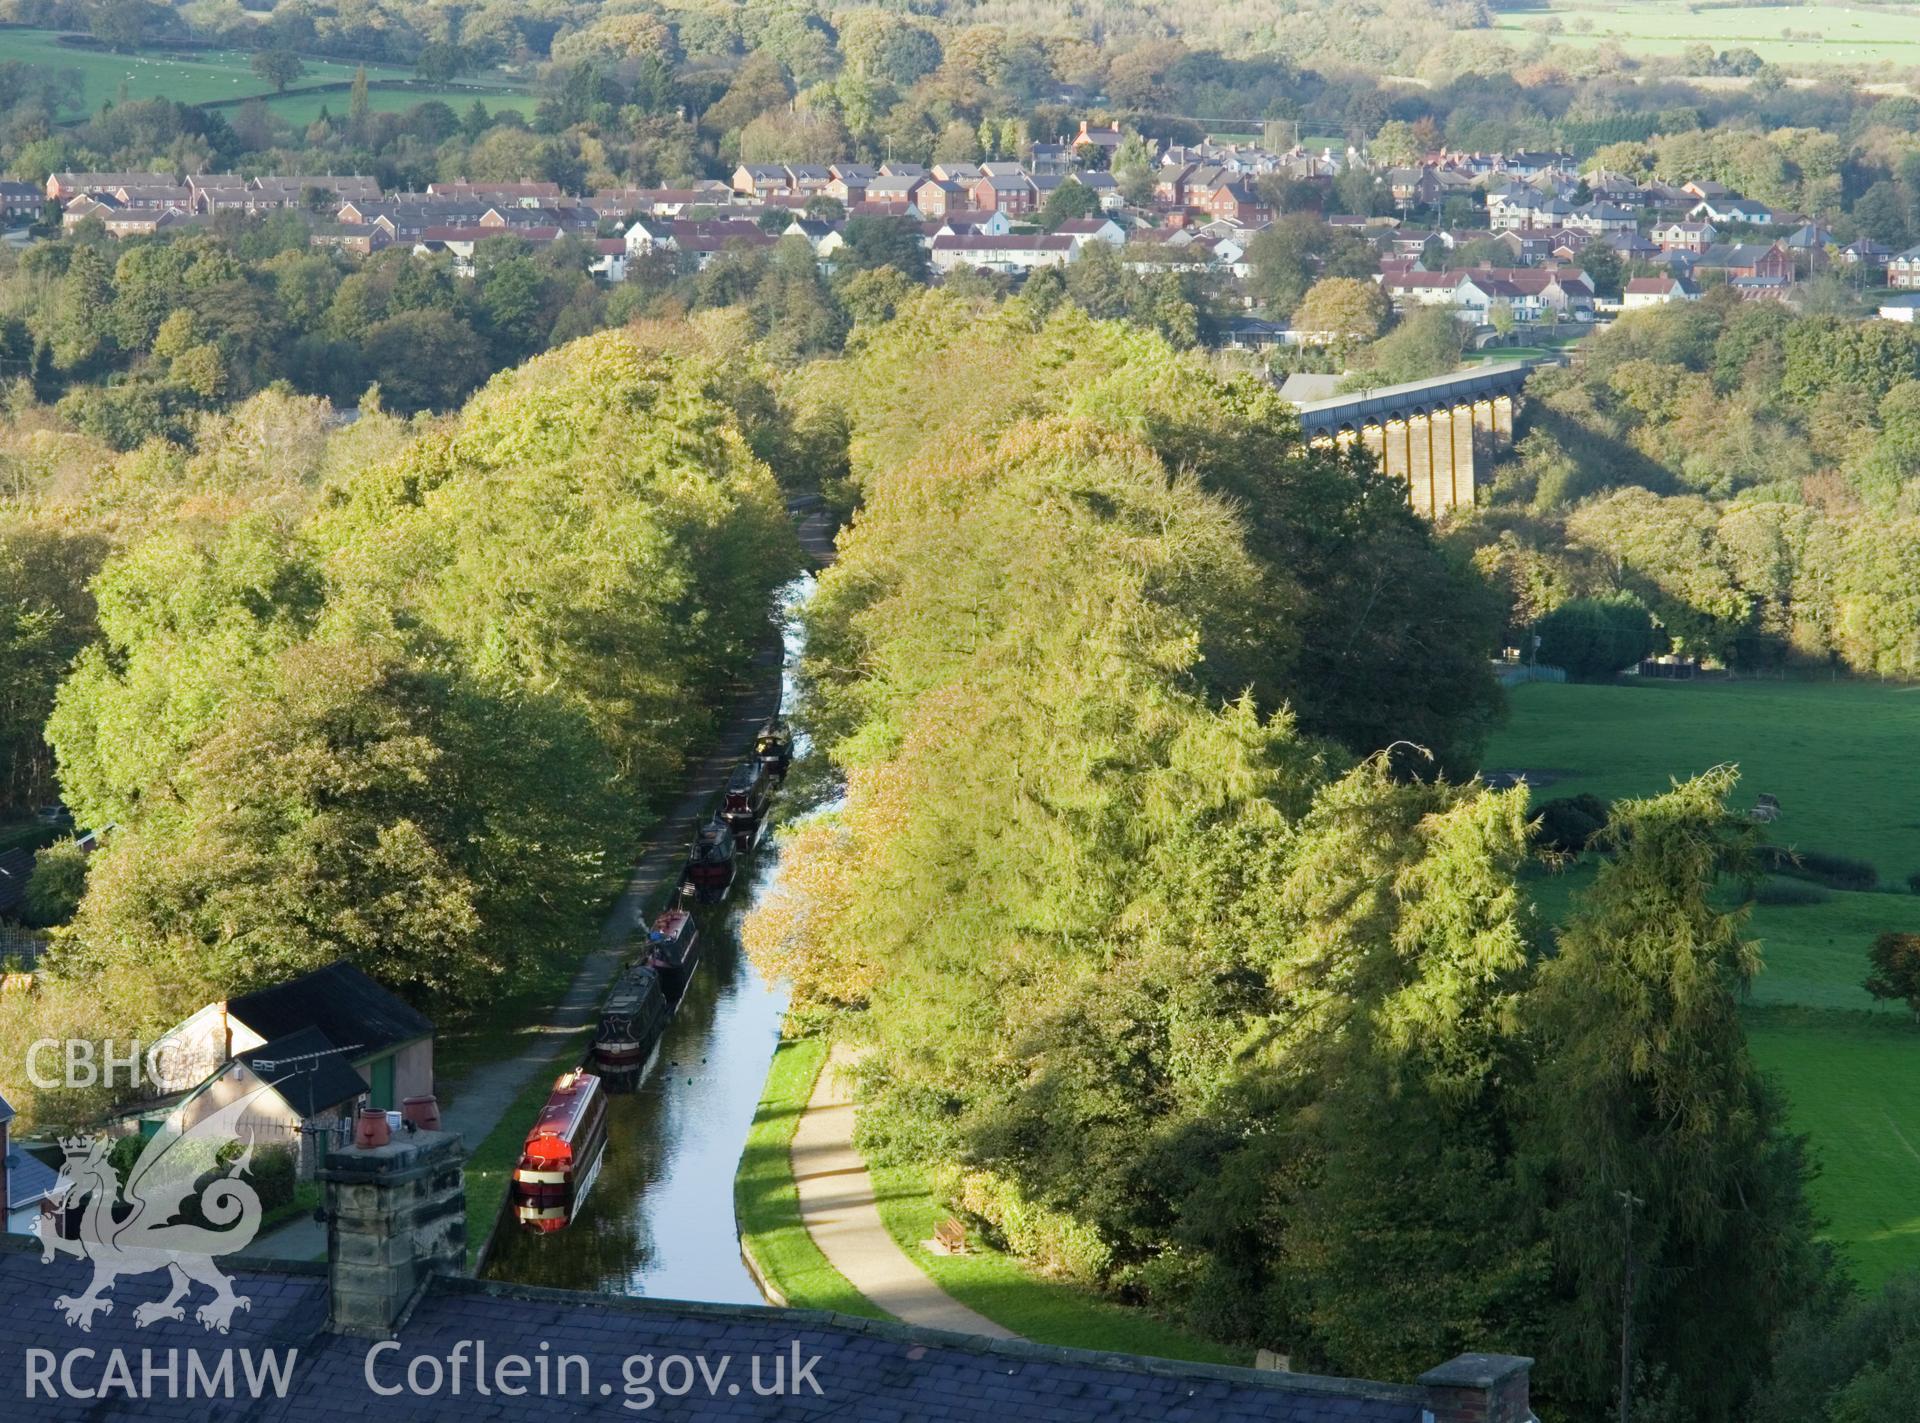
x=949 y=1237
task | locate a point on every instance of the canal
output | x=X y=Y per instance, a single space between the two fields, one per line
x=659 y=1220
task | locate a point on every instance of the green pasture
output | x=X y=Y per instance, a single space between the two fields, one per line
x=1838 y=34
x=301 y=109
x=1839 y=755
x=188 y=77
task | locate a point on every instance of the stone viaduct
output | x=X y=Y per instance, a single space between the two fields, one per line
x=1430 y=433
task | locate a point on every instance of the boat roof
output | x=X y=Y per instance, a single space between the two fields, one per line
x=744 y=775
x=567 y=1107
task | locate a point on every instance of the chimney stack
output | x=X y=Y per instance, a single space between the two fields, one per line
x=1479 y=1388
x=396 y=1215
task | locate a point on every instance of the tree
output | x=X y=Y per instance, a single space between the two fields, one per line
x=1647 y=1091
x=1068 y=201
x=1427 y=342
x=279 y=67
x=1895 y=960
x=872 y=242
x=1594 y=638
x=1351 y=309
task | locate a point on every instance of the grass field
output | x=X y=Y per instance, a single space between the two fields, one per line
x=210 y=76
x=1840 y=34
x=302 y=109
x=186 y=77
x=1838 y=755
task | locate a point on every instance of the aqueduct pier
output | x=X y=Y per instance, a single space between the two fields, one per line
x=1429 y=433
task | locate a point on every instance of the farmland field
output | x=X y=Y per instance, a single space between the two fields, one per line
x=209 y=76
x=1839 y=757
x=300 y=109
x=1839 y=34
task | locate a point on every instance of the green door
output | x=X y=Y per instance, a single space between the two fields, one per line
x=381 y=1074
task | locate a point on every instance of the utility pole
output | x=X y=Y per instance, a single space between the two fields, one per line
x=1627 y=1201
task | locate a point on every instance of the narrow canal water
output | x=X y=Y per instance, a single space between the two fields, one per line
x=659 y=1221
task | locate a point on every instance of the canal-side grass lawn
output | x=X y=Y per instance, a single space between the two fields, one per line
x=1010 y=1293
x=1839 y=757
x=766 y=1202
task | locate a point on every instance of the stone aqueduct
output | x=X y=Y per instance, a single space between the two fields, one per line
x=1431 y=433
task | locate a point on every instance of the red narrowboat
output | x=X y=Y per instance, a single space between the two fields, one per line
x=673 y=948
x=749 y=789
x=562 y=1155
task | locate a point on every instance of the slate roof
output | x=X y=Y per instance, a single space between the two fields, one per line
x=339 y=1000
x=307 y=1070
x=29 y=1179
x=868 y=1372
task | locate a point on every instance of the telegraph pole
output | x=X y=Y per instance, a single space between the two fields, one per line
x=1627 y=1201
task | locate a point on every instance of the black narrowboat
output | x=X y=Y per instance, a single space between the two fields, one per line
x=710 y=862
x=749 y=789
x=632 y=1020
x=773 y=748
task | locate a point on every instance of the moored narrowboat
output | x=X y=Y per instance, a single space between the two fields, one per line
x=773 y=748
x=673 y=949
x=562 y=1155
x=631 y=1020
x=710 y=862
x=749 y=789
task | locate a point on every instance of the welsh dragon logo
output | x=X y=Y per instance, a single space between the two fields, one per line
x=138 y=1228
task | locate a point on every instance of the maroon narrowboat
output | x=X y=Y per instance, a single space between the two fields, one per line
x=673 y=949
x=710 y=862
x=563 y=1153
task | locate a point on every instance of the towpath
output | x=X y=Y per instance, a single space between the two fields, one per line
x=837 y=1204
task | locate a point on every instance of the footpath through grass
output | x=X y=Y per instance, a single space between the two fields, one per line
x=766 y=1203
x=1839 y=755
x=1007 y=1291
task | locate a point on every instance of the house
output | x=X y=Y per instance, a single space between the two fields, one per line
x=892 y=190
x=1049 y=158
x=1010 y=193
x=1684 y=236
x=366 y=1028
x=1657 y=291
x=1745 y=261
x=1602 y=218
x=1232 y=199
x=27 y=1184
x=1103 y=185
x=965 y=174
x=1012 y=255
x=609 y=262
x=62 y=186
x=1082 y=230
x=298 y=1091
x=848 y=182
x=1734 y=210
x=1866 y=253
x=1903 y=269
x=967 y=222
x=1096 y=145
x=825 y=238
x=936 y=198
x=20 y=201
x=497 y=192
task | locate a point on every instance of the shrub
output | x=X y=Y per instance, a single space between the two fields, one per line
x=1569 y=824
x=57 y=884
x=1913 y=882
x=1593 y=638
x=1785 y=893
x=1833 y=871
